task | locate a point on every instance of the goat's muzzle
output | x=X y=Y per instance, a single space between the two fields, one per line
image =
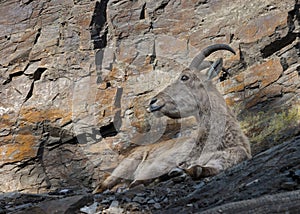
x=154 y=105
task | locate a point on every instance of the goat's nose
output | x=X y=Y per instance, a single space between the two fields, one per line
x=153 y=100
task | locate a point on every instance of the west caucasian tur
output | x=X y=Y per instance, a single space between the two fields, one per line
x=217 y=143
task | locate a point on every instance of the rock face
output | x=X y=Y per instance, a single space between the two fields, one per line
x=76 y=77
x=244 y=188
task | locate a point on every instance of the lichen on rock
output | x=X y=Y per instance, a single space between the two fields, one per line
x=76 y=77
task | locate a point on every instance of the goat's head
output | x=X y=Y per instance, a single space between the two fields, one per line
x=188 y=95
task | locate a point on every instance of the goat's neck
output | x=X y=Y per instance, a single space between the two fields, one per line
x=212 y=118
x=203 y=124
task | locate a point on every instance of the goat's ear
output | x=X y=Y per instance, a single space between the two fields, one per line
x=215 y=68
x=202 y=68
x=204 y=65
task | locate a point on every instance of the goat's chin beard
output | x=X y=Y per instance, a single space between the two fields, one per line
x=158 y=114
x=176 y=114
x=161 y=113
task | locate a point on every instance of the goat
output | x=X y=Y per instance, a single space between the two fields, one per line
x=218 y=142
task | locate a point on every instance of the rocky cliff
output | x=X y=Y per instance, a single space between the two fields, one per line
x=76 y=77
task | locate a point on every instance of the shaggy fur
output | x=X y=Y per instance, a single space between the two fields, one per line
x=216 y=144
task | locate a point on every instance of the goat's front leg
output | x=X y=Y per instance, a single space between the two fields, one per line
x=214 y=166
x=124 y=172
x=197 y=171
x=175 y=172
x=216 y=162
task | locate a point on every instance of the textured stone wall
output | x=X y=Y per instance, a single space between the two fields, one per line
x=76 y=76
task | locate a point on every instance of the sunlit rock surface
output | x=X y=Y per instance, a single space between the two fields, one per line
x=76 y=77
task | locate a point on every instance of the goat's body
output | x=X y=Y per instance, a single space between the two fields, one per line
x=216 y=144
x=146 y=163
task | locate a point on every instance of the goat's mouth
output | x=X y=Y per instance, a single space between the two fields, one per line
x=156 y=104
x=153 y=108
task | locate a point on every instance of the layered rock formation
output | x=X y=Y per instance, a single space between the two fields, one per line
x=76 y=77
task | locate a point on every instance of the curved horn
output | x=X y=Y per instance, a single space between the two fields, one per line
x=206 y=52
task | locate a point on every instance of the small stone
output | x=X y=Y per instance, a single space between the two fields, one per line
x=157 y=206
x=4 y=132
x=114 y=208
x=139 y=199
x=156 y=199
x=151 y=201
x=297 y=174
x=65 y=191
x=166 y=200
x=105 y=201
x=90 y=209
x=127 y=199
x=140 y=194
x=106 y=192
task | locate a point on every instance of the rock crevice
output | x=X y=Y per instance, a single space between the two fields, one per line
x=87 y=69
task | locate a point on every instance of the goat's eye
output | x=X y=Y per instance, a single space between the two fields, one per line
x=184 y=77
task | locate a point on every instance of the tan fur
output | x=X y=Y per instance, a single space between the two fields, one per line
x=216 y=144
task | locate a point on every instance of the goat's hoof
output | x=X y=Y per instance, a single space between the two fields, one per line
x=194 y=171
x=175 y=172
x=179 y=178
